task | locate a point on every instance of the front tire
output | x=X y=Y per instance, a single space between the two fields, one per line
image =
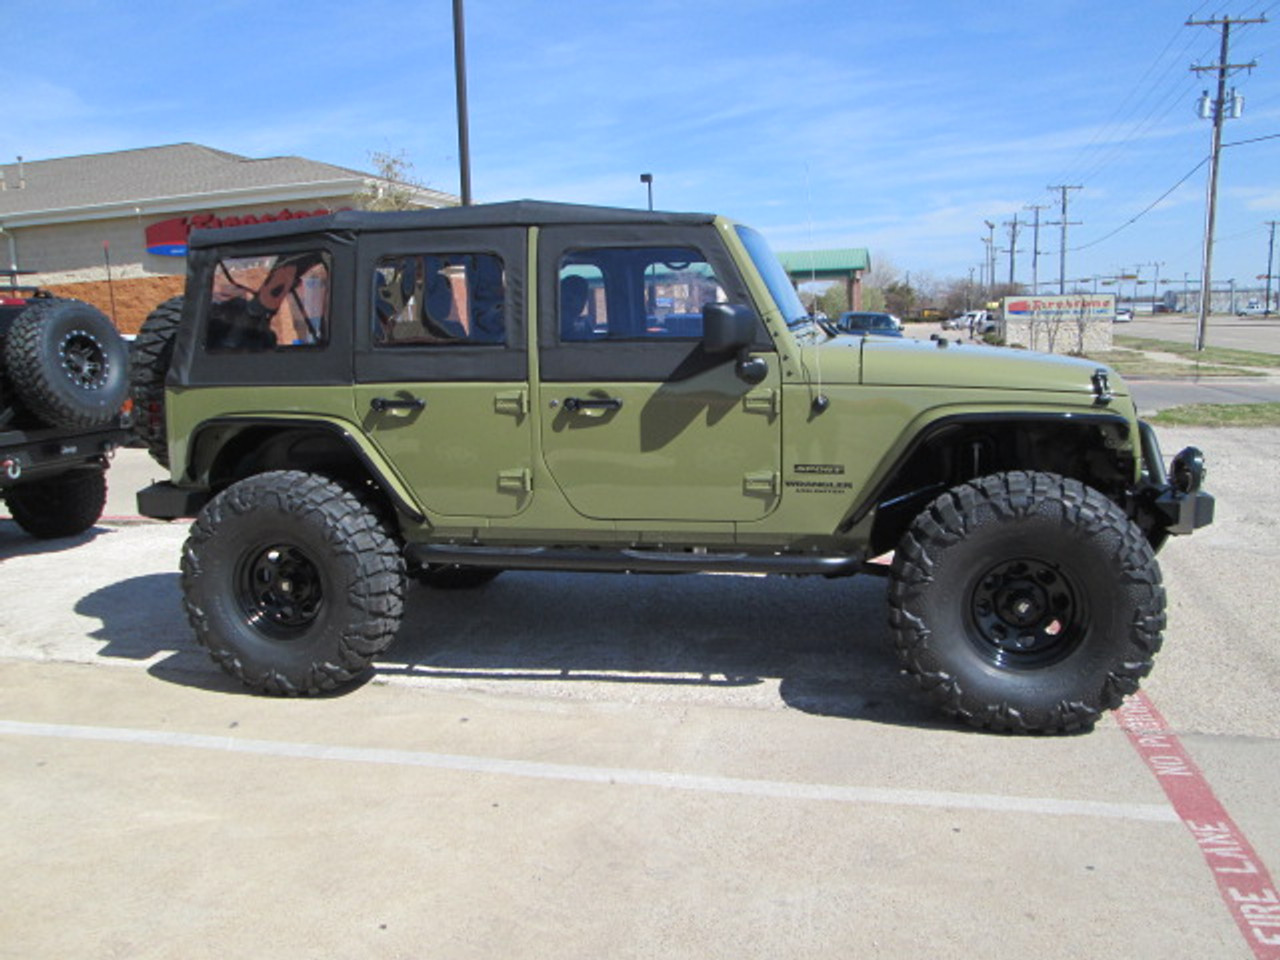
x=291 y=583
x=1026 y=602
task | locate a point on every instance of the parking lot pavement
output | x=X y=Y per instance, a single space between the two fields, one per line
x=579 y=766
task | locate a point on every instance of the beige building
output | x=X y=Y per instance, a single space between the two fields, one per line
x=111 y=228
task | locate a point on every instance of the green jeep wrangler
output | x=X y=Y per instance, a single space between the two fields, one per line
x=351 y=400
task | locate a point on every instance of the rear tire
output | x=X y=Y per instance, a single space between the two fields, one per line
x=1026 y=602
x=291 y=583
x=59 y=506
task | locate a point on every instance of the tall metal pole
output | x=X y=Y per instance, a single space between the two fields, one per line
x=1035 y=246
x=1222 y=68
x=1211 y=213
x=460 y=84
x=1063 y=223
x=1013 y=245
x=991 y=257
x=1271 y=249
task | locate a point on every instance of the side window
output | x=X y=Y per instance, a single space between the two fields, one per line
x=635 y=293
x=268 y=302
x=439 y=299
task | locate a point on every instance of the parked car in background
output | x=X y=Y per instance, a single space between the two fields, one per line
x=1124 y=315
x=973 y=322
x=862 y=322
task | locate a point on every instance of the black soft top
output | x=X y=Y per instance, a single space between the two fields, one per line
x=521 y=213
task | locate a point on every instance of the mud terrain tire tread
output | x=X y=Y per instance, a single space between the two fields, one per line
x=67 y=364
x=1060 y=526
x=357 y=565
x=148 y=368
x=59 y=506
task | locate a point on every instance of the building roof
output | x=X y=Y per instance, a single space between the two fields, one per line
x=825 y=264
x=172 y=178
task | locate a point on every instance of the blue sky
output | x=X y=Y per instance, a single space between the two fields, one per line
x=900 y=127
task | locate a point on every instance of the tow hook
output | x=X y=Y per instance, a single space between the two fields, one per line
x=12 y=468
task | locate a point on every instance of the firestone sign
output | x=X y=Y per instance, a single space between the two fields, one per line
x=1070 y=307
x=168 y=238
x=1068 y=323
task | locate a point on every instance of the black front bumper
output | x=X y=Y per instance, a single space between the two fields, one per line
x=1175 y=497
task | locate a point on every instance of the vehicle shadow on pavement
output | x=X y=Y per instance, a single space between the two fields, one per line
x=821 y=646
x=142 y=618
x=825 y=642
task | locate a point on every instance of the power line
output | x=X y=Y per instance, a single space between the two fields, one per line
x=1138 y=216
x=1156 y=202
x=1223 y=68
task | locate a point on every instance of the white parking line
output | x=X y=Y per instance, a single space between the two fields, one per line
x=776 y=789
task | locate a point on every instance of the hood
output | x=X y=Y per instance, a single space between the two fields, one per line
x=885 y=361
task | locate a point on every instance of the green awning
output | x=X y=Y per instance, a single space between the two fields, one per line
x=826 y=264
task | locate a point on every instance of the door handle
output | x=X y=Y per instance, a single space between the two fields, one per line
x=383 y=404
x=574 y=404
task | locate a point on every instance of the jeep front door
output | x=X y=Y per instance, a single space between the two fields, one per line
x=638 y=421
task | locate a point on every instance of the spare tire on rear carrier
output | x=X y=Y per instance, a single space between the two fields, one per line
x=152 y=353
x=67 y=364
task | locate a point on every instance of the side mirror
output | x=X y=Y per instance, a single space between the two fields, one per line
x=727 y=328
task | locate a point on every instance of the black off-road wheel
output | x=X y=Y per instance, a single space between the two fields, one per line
x=59 y=506
x=1026 y=602
x=67 y=363
x=148 y=368
x=291 y=583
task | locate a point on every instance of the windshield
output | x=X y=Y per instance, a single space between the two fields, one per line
x=775 y=278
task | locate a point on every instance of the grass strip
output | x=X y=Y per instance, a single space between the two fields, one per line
x=1219 y=415
x=1210 y=355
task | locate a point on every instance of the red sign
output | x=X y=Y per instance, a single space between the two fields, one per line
x=168 y=238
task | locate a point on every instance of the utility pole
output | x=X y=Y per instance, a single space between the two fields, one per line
x=1155 y=284
x=1271 y=249
x=1013 y=244
x=1035 y=244
x=1218 y=108
x=990 y=241
x=1063 y=223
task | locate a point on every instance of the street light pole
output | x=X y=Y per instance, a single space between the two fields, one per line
x=647 y=180
x=460 y=86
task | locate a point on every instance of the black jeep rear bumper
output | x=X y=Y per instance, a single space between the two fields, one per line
x=164 y=501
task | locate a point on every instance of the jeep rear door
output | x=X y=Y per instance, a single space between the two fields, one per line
x=442 y=367
x=637 y=421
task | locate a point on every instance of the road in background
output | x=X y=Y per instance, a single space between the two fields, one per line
x=1221 y=330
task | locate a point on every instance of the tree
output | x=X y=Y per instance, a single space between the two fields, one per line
x=395 y=188
x=900 y=299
